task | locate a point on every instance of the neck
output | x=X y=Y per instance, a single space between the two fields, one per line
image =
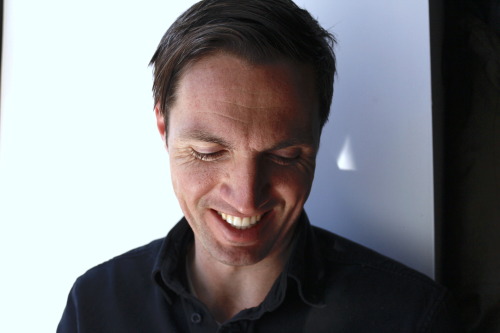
x=226 y=289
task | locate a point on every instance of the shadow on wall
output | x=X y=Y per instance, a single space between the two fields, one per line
x=374 y=175
x=357 y=196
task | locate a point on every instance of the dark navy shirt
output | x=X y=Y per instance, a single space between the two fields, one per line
x=330 y=284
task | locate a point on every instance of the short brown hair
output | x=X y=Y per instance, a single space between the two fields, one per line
x=257 y=30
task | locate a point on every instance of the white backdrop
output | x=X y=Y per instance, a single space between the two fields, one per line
x=84 y=176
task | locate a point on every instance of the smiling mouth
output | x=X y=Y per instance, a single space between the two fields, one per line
x=240 y=222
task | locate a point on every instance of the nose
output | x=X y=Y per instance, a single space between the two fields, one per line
x=245 y=185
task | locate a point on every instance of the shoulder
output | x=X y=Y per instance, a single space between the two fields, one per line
x=135 y=266
x=103 y=299
x=380 y=289
x=339 y=251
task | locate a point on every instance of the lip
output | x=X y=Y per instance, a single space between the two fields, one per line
x=236 y=236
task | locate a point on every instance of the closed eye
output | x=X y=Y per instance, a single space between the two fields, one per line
x=208 y=157
x=285 y=158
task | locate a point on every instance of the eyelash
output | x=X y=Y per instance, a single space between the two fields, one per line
x=206 y=157
x=284 y=160
x=209 y=157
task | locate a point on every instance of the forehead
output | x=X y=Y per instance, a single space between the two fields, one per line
x=225 y=90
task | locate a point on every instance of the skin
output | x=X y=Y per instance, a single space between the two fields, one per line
x=242 y=140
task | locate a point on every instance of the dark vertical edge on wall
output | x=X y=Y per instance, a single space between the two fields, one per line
x=436 y=29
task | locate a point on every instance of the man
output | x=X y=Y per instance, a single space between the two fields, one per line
x=242 y=90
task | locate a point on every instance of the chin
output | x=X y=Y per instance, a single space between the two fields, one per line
x=237 y=255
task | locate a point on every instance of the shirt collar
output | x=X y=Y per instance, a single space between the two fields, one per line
x=306 y=265
x=169 y=268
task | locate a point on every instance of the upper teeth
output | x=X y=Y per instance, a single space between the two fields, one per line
x=240 y=222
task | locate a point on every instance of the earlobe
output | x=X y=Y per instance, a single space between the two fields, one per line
x=160 y=123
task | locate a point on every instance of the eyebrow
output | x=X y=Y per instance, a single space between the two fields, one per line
x=203 y=136
x=294 y=142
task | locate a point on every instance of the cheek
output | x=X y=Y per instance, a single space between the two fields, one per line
x=192 y=182
x=294 y=185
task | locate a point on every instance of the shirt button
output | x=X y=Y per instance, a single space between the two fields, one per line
x=196 y=318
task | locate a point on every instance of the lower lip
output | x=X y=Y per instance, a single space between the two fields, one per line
x=240 y=236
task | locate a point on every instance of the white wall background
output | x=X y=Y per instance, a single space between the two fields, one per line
x=84 y=176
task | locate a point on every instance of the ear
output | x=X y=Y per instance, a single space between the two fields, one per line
x=160 y=123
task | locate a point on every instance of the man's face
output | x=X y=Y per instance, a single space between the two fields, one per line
x=242 y=142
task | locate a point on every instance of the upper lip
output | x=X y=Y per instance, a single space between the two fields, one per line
x=237 y=214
